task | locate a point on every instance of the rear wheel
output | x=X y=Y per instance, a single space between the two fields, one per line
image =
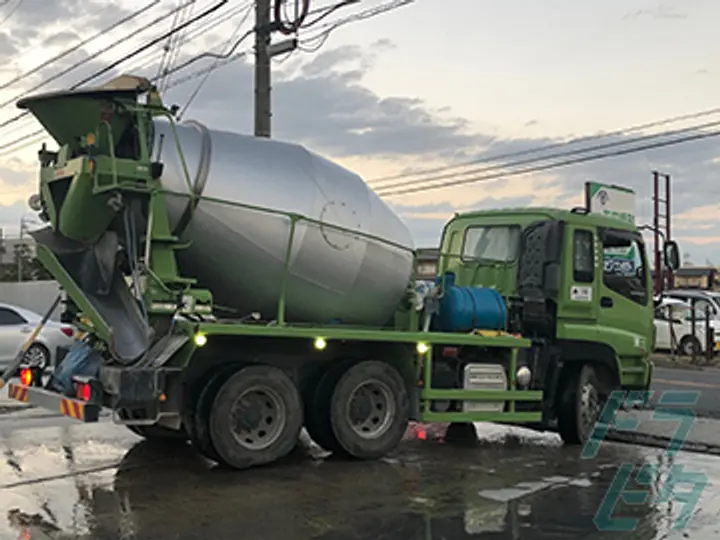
x=256 y=417
x=582 y=403
x=199 y=418
x=317 y=409
x=370 y=410
x=690 y=346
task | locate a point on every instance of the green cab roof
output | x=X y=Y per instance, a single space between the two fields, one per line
x=549 y=213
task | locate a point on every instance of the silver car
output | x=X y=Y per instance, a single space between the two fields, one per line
x=16 y=325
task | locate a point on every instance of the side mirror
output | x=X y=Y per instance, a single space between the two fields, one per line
x=671 y=254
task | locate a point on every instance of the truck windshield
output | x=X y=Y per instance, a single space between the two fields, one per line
x=496 y=243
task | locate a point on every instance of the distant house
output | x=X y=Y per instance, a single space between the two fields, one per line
x=697 y=277
x=427 y=262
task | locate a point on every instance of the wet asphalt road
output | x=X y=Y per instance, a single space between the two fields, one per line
x=60 y=480
x=705 y=382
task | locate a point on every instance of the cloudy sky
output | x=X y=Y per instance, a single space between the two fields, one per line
x=421 y=87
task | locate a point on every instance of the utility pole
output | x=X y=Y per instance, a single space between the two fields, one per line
x=265 y=50
x=660 y=214
x=263 y=89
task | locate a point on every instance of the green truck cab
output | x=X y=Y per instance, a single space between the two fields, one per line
x=578 y=284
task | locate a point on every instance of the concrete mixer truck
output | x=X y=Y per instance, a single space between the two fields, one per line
x=233 y=290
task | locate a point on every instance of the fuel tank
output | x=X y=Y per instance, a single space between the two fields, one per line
x=239 y=252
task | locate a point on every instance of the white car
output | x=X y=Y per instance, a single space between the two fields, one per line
x=16 y=325
x=673 y=316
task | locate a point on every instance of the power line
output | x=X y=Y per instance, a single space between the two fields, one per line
x=217 y=60
x=40 y=134
x=211 y=23
x=585 y=138
x=77 y=47
x=178 y=44
x=12 y=12
x=137 y=51
x=326 y=12
x=85 y=60
x=565 y=163
x=321 y=37
x=552 y=156
x=168 y=47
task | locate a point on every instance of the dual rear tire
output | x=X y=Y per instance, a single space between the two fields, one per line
x=255 y=416
x=359 y=410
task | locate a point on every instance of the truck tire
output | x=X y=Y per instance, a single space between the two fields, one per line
x=317 y=408
x=581 y=404
x=690 y=345
x=265 y=426
x=370 y=410
x=199 y=413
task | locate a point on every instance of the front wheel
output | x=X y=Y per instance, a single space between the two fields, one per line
x=581 y=405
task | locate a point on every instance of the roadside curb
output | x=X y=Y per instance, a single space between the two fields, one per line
x=681 y=364
x=658 y=441
x=8 y=409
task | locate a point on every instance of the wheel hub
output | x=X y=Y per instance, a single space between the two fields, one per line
x=34 y=358
x=590 y=400
x=371 y=409
x=258 y=418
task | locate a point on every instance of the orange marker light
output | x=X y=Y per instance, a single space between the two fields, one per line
x=90 y=139
x=26 y=377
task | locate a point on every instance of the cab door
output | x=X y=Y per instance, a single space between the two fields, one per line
x=625 y=313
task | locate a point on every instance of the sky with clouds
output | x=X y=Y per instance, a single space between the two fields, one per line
x=422 y=86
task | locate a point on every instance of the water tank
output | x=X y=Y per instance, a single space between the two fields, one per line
x=239 y=253
x=463 y=309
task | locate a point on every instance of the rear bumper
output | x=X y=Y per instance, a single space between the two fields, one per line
x=73 y=408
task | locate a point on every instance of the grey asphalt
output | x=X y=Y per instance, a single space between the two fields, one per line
x=705 y=382
x=63 y=480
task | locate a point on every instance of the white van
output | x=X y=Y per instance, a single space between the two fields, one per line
x=673 y=328
x=701 y=300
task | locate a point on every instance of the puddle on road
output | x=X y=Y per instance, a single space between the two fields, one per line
x=512 y=484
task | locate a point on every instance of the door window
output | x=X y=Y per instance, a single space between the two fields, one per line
x=583 y=257
x=9 y=317
x=625 y=265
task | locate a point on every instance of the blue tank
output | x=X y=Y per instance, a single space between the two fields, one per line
x=463 y=309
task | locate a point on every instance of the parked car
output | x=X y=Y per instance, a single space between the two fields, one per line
x=16 y=324
x=675 y=316
x=700 y=298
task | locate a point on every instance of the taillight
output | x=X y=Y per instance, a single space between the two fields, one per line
x=84 y=391
x=69 y=332
x=26 y=376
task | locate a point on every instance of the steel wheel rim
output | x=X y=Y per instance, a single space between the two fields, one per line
x=590 y=407
x=258 y=418
x=371 y=409
x=34 y=357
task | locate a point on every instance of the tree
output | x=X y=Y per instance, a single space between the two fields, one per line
x=23 y=261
